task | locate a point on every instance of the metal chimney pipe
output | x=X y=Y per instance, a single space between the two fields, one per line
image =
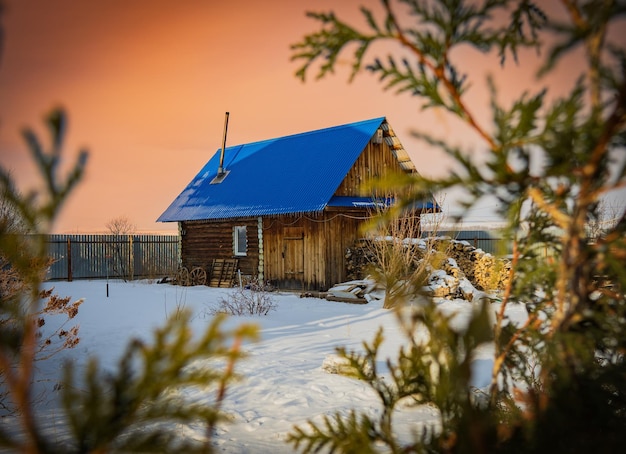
x=220 y=170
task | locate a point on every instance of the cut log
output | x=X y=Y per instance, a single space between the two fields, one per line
x=352 y=300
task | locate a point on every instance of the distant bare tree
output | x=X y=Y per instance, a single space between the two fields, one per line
x=119 y=252
x=121 y=225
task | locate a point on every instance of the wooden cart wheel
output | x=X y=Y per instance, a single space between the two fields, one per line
x=182 y=276
x=198 y=276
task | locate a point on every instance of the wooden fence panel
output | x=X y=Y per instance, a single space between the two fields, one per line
x=112 y=256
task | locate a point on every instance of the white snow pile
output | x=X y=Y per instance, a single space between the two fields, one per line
x=449 y=282
x=285 y=376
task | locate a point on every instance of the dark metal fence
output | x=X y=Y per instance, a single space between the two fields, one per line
x=490 y=245
x=115 y=256
x=480 y=239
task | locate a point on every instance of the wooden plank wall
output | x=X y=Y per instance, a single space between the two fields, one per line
x=326 y=237
x=376 y=160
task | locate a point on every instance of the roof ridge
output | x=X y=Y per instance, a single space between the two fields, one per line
x=283 y=175
x=313 y=131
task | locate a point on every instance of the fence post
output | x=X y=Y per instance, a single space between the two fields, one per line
x=131 y=259
x=69 y=259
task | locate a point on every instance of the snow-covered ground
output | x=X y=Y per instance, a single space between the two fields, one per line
x=283 y=381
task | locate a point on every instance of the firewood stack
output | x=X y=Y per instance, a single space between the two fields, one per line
x=482 y=269
x=358 y=259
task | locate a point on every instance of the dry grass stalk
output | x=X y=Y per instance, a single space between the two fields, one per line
x=401 y=259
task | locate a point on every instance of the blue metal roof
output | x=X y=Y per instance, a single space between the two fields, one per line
x=292 y=174
x=370 y=202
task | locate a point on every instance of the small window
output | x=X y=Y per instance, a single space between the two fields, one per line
x=240 y=240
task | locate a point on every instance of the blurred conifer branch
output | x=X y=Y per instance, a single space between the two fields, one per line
x=548 y=165
x=136 y=408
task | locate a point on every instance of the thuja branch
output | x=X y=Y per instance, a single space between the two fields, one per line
x=501 y=357
x=570 y=289
x=559 y=218
x=438 y=71
x=228 y=375
x=593 y=46
x=507 y=292
x=614 y=123
x=36 y=211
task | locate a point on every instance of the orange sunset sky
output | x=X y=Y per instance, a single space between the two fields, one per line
x=146 y=84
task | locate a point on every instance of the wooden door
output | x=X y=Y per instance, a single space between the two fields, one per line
x=293 y=257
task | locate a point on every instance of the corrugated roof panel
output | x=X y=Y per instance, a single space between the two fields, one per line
x=292 y=174
x=357 y=202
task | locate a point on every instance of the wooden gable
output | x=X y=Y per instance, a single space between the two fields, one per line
x=375 y=161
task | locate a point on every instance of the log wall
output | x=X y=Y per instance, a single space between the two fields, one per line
x=203 y=241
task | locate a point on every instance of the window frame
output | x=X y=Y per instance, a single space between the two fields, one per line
x=237 y=250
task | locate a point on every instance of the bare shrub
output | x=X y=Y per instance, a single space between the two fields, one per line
x=180 y=307
x=400 y=260
x=246 y=301
x=18 y=298
x=130 y=409
x=120 y=249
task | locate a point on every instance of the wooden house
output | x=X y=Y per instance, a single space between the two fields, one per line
x=285 y=210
